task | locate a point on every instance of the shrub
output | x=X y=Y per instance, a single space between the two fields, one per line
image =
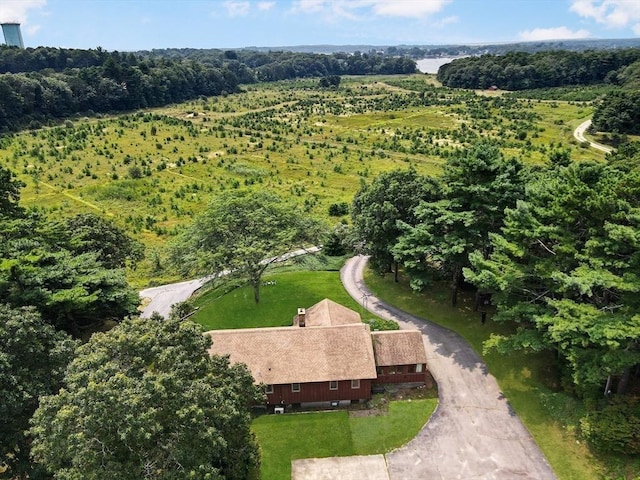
x=338 y=209
x=615 y=427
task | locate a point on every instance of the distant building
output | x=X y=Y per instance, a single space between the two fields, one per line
x=12 y=34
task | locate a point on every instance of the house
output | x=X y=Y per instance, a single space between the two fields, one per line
x=327 y=355
x=399 y=356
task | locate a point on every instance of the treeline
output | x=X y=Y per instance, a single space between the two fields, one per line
x=40 y=84
x=522 y=71
x=120 y=82
x=282 y=65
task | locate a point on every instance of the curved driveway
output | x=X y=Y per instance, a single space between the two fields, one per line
x=474 y=434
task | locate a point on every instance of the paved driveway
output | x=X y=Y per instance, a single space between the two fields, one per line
x=474 y=433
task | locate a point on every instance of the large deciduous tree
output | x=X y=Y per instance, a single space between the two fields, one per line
x=565 y=270
x=70 y=288
x=71 y=271
x=378 y=207
x=90 y=233
x=477 y=186
x=33 y=358
x=146 y=401
x=242 y=233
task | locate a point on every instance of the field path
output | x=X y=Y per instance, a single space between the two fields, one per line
x=578 y=133
x=474 y=433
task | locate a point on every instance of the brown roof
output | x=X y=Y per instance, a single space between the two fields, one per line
x=299 y=355
x=329 y=313
x=398 y=347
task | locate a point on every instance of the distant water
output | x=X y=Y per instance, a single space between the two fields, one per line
x=431 y=65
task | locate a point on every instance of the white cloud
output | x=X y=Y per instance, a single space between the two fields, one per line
x=32 y=29
x=611 y=13
x=558 y=33
x=237 y=9
x=17 y=10
x=264 y=6
x=365 y=8
x=406 y=8
x=446 y=21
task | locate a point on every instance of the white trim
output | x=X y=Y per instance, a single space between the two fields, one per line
x=355 y=383
x=333 y=385
x=293 y=387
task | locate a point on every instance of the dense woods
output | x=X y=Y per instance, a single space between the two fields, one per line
x=520 y=70
x=41 y=84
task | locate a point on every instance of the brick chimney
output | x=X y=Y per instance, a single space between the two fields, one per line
x=302 y=317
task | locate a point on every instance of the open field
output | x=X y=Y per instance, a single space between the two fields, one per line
x=152 y=171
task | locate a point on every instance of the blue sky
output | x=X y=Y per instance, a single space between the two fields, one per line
x=144 y=24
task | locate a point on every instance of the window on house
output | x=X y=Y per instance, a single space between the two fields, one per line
x=400 y=369
x=419 y=368
x=355 y=383
x=333 y=385
x=380 y=370
x=268 y=389
x=295 y=387
x=391 y=370
x=411 y=369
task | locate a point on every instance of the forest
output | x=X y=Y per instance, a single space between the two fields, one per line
x=42 y=84
x=521 y=70
x=485 y=192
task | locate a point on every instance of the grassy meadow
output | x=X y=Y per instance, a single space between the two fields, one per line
x=152 y=171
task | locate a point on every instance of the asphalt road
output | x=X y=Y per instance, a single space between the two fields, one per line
x=474 y=433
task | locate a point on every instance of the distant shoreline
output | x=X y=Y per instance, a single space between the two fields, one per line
x=431 y=65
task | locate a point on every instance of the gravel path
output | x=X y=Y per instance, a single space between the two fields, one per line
x=474 y=433
x=578 y=133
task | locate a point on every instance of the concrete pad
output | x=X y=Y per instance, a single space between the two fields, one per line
x=363 y=467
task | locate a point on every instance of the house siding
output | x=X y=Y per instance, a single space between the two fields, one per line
x=385 y=375
x=318 y=392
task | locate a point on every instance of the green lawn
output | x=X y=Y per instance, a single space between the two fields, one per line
x=530 y=382
x=280 y=298
x=283 y=438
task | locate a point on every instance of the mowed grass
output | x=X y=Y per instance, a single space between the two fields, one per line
x=280 y=297
x=530 y=382
x=284 y=438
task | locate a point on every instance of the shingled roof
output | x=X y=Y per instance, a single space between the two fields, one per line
x=329 y=313
x=283 y=355
x=404 y=347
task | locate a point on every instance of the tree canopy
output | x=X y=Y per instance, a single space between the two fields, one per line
x=242 y=233
x=70 y=271
x=564 y=269
x=33 y=358
x=618 y=112
x=378 y=207
x=477 y=186
x=9 y=194
x=521 y=71
x=145 y=400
